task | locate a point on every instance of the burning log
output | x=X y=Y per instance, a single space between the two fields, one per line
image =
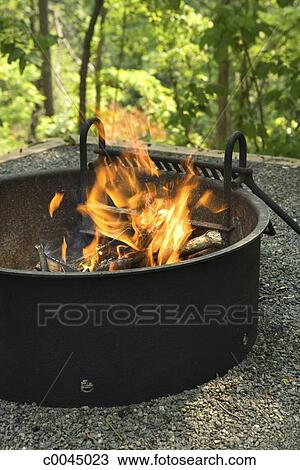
x=121 y=260
x=134 y=260
x=210 y=239
x=54 y=265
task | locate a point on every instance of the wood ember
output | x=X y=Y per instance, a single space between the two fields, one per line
x=211 y=238
x=134 y=260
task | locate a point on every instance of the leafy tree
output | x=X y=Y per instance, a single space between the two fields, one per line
x=98 y=4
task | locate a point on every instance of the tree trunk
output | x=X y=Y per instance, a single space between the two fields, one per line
x=31 y=137
x=242 y=95
x=223 y=81
x=259 y=98
x=245 y=106
x=120 y=61
x=98 y=4
x=98 y=63
x=46 y=71
x=222 y=124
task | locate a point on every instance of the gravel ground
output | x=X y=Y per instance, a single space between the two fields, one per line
x=254 y=406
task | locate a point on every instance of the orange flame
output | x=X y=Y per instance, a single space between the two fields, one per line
x=115 y=130
x=211 y=202
x=55 y=203
x=91 y=254
x=64 y=248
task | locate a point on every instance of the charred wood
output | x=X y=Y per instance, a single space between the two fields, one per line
x=43 y=260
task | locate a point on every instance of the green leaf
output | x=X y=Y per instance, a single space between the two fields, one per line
x=33 y=58
x=15 y=54
x=7 y=48
x=248 y=35
x=272 y=96
x=262 y=69
x=284 y=3
x=44 y=42
x=22 y=63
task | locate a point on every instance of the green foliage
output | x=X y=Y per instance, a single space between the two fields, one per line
x=17 y=42
x=17 y=100
x=14 y=40
x=167 y=68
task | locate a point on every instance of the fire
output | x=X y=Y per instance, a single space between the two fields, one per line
x=55 y=203
x=64 y=248
x=138 y=214
x=91 y=254
x=115 y=131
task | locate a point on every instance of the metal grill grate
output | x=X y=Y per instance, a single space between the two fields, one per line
x=232 y=176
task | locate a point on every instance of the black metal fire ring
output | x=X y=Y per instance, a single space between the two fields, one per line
x=109 y=364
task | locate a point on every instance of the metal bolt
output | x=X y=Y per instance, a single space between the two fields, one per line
x=86 y=386
x=245 y=339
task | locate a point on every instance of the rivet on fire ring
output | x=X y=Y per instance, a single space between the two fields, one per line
x=86 y=386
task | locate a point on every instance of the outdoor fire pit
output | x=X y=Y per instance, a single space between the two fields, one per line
x=128 y=327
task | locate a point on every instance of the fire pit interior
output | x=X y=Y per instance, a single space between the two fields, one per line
x=38 y=227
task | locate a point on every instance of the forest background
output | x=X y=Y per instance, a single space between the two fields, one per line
x=188 y=72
